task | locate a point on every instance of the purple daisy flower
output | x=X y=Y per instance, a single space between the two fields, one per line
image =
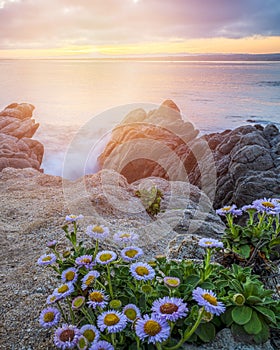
x=102 y=345
x=98 y=232
x=97 y=298
x=125 y=237
x=131 y=253
x=152 y=328
x=51 y=244
x=231 y=209
x=82 y=343
x=210 y=243
x=248 y=207
x=170 y=309
x=105 y=257
x=64 y=290
x=90 y=332
x=85 y=261
x=131 y=312
x=51 y=299
x=111 y=320
x=66 y=337
x=73 y=218
x=208 y=299
x=142 y=271
x=69 y=275
x=266 y=205
x=171 y=282
x=49 y=317
x=46 y=259
x=89 y=278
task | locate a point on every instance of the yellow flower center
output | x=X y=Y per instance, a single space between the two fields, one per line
x=82 y=343
x=72 y=216
x=78 y=302
x=130 y=314
x=152 y=327
x=70 y=275
x=89 y=334
x=47 y=258
x=67 y=335
x=142 y=271
x=226 y=208
x=131 y=253
x=125 y=235
x=49 y=317
x=96 y=297
x=64 y=288
x=98 y=229
x=89 y=280
x=111 y=319
x=168 y=308
x=105 y=257
x=53 y=298
x=86 y=260
x=210 y=298
x=208 y=242
x=268 y=205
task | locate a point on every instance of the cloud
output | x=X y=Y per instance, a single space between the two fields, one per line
x=58 y=23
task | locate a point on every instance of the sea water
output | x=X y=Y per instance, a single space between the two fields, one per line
x=82 y=100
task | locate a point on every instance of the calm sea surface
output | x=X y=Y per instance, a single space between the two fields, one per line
x=69 y=94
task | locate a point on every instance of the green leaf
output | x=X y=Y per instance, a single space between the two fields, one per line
x=263 y=335
x=270 y=315
x=192 y=280
x=253 y=300
x=243 y=250
x=206 y=332
x=227 y=318
x=236 y=286
x=207 y=285
x=241 y=314
x=274 y=242
x=254 y=326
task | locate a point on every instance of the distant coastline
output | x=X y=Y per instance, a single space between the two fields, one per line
x=194 y=57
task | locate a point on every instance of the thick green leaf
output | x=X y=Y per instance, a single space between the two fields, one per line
x=207 y=285
x=254 y=300
x=270 y=315
x=192 y=280
x=227 y=318
x=206 y=332
x=241 y=314
x=254 y=326
x=243 y=250
x=274 y=242
x=263 y=335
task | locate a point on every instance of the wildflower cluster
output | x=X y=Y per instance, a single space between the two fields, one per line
x=254 y=242
x=108 y=299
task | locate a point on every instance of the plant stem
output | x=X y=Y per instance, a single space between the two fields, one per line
x=87 y=315
x=71 y=311
x=96 y=249
x=188 y=334
x=158 y=346
x=109 y=281
x=61 y=311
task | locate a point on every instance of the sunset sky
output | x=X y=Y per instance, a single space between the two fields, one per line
x=113 y=28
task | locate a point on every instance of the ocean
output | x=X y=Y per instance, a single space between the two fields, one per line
x=78 y=102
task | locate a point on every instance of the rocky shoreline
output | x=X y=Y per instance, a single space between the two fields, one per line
x=34 y=204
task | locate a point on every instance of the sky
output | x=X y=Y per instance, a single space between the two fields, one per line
x=113 y=28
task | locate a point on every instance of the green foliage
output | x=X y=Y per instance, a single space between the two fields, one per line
x=151 y=199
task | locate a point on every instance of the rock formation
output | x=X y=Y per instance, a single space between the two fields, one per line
x=17 y=148
x=235 y=166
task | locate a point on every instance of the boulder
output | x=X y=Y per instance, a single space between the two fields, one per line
x=17 y=148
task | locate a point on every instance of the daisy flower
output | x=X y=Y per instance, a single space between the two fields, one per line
x=142 y=271
x=266 y=205
x=170 y=309
x=125 y=237
x=231 y=209
x=102 y=345
x=152 y=328
x=49 y=317
x=97 y=298
x=89 y=278
x=131 y=312
x=85 y=261
x=131 y=253
x=105 y=257
x=210 y=243
x=46 y=259
x=64 y=290
x=51 y=299
x=171 y=282
x=51 y=244
x=208 y=299
x=69 y=275
x=111 y=320
x=90 y=332
x=73 y=218
x=98 y=232
x=66 y=337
